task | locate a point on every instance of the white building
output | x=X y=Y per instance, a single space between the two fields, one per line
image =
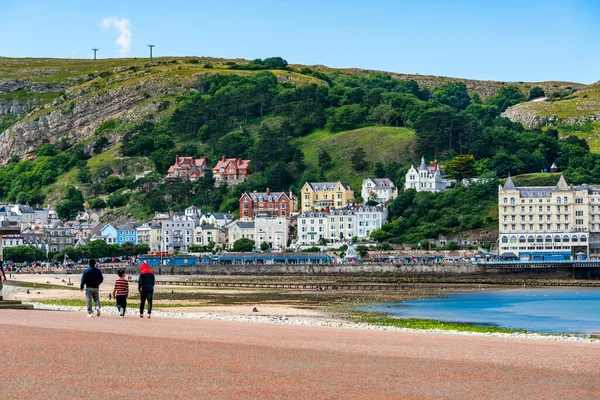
x=239 y=230
x=559 y=221
x=340 y=224
x=207 y=234
x=272 y=230
x=150 y=234
x=12 y=241
x=218 y=219
x=177 y=233
x=379 y=190
x=426 y=178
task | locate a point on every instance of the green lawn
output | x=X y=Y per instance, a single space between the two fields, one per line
x=536 y=179
x=380 y=144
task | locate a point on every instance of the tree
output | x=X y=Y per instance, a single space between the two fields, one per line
x=379 y=235
x=383 y=113
x=117 y=200
x=243 y=245
x=507 y=96
x=324 y=159
x=379 y=170
x=461 y=167
x=21 y=254
x=71 y=205
x=536 y=92
x=96 y=203
x=452 y=94
x=112 y=183
x=264 y=246
x=358 y=159
x=46 y=150
x=100 y=144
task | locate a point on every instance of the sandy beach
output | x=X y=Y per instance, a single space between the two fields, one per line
x=65 y=355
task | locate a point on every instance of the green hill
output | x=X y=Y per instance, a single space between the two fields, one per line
x=380 y=144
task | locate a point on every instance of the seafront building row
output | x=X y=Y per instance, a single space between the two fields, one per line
x=269 y=217
x=556 y=222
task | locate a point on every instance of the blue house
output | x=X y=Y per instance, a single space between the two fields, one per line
x=119 y=234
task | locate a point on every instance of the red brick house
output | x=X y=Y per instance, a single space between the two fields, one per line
x=188 y=168
x=271 y=204
x=231 y=171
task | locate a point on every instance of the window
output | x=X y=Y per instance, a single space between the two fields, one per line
x=579 y=201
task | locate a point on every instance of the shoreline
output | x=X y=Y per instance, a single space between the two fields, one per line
x=331 y=308
x=323 y=323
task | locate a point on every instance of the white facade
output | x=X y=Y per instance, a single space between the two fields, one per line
x=549 y=221
x=178 y=233
x=218 y=219
x=426 y=178
x=150 y=234
x=379 y=190
x=239 y=230
x=207 y=234
x=341 y=224
x=12 y=241
x=273 y=230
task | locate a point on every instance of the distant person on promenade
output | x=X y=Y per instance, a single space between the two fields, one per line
x=146 y=288
x=120 y=292
x=91 y=280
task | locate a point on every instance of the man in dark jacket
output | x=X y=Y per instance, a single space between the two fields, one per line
x=91 y=279
x=146 y=288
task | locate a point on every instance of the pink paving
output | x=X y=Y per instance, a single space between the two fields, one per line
x=50 y=354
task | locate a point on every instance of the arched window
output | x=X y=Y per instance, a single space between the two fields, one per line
x=539 y=239
x=558 y=200
x=513 y=239
x=505 y=200
x=530 y=239
x=548 y=239
x=521 y=239
x=512 y=200
x=504 y=239
x=565 y=239
x=574 y=239
x=565 y=199
x=583 y=238
x=556 y=239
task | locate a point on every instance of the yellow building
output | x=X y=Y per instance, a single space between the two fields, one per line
x=557 y=221
x=322 y=195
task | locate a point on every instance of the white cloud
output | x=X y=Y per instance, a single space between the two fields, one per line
x=123 y=26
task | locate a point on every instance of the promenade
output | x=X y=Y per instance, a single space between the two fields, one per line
x=51 y=354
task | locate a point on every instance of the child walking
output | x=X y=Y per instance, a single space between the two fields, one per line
x=120 y=292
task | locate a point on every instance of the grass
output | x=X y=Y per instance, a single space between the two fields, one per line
x=427 y=324
x=536 y=179
x=40 y=285
x=589 y=131
x=380 y=144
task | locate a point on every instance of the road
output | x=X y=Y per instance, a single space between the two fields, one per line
x=52 y=354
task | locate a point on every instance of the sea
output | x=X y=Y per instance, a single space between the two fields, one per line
x=545 y=310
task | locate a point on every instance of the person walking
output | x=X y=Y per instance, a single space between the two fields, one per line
x=2 y=277
x=120 y=292
x=146 y=288
x=91 y=280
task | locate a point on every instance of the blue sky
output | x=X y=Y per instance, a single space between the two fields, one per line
x=526 y=40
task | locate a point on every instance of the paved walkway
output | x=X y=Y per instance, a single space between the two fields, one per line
x=51 y=354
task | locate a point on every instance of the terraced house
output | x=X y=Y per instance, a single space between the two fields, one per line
x=271 y=204
x=59 y=238
x=326 y=195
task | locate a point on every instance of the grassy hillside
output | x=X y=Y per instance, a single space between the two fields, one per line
x=589 y=131
x=379 y=143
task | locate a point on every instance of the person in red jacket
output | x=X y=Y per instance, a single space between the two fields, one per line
x=120 y=292
x=146 y=288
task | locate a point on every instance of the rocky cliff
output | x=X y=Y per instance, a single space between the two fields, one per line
x=581 y=107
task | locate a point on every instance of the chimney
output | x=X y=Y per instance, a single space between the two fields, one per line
x=223 y=158
x=268 y=191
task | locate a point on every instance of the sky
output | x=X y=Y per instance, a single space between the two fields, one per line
x=525 y=40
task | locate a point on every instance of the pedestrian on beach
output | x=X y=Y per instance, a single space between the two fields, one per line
x=120 y=292
x=2 y=277
x=146 y=288
x=91 y=280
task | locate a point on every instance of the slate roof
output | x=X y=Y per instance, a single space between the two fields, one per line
x=324 y=186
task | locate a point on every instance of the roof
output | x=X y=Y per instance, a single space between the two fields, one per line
x=509 y=185
x=562 y=184
x=219 y=215
x=381 y=183
x=245 y=225
x=271 y=196
x=125 y=227
x=323 y=186
x=237 y=163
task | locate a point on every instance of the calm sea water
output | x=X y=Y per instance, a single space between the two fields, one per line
x=556 y=310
